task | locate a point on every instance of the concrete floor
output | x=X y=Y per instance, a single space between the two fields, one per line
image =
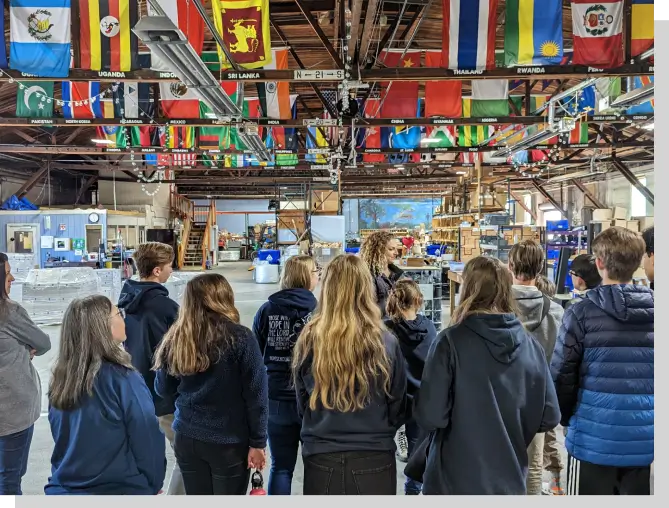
x=248 y=298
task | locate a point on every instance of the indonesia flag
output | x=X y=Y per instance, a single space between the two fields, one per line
x=598 y=32
x=469 y=34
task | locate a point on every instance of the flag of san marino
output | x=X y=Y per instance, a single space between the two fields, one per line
x=533 y=32
x=40 y=37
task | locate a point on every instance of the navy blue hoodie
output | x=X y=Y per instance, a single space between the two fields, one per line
x=486 y=392
x=110 y=444
x=149 y=313
x=370 y=429
x=415 y=338
x=277 y=325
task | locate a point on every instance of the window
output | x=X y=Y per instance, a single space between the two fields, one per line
x=552 y=215
x=638 y=201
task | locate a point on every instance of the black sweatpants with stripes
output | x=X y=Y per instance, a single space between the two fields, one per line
x=586 y=479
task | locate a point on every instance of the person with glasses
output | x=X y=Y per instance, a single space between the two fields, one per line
x=106 y=435
x=584 y=276
x=20 y=385
x=277 y=326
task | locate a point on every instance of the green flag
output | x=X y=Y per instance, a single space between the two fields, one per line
x=35 y=99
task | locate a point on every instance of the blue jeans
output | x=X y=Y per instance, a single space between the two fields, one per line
x=414 y=435
x=14 y=450
x=283 y=428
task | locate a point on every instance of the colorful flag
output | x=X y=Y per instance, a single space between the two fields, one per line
x=289 y=139
x=244 y=27
x=643 y=28
x=472 y=135
x=315 y=139
x=34 y=99
x=647 y=108
x=40 y=37
x=114 y=135
x=598 y=32
x=371 y=136
x=178 y=101
x=181 y=138
x=275 y=96
x=533 y=32
x=400 y=98
x=3 y=50
x=442 y=98
x=579 y=134
x=469 y=34
x=187 y=18
x=536 y=101
x=81 y=99
x=490 y=97
x=441 y=136
x=330 y=97
x=106 y=40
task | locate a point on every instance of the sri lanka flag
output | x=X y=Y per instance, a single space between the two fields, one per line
x=39 y=34
x=469 y=34
x=643 y=28
x=533 y=32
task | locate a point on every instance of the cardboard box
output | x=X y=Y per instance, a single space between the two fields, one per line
x=619 y=213
x=633 y=225
x=619 y=223
x=602 y=215
x=645 y=222
x=415 y=262
x=325 y=201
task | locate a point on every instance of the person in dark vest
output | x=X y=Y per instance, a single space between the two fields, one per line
x=649 y=256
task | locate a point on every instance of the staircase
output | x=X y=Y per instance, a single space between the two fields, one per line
x=193 y=253
x=196 y=219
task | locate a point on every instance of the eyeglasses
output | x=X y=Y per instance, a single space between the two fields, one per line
x=572 y=273
x=318 y=270
x=121 y=312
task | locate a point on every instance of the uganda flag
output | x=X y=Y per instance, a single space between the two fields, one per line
x=106 y=41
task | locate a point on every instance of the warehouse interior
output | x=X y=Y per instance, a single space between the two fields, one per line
x=382 y=131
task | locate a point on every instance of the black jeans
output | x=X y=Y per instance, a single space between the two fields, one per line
x=586 y=479
x=212 y=469
x=350 y=473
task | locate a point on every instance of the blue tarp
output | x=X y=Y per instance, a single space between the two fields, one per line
x=15 y=203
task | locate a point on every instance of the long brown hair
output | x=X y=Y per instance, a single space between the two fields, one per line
x=404 y=296
x=345 y=338
x=373 y=251
x=85 y=343
x=297 y=272
x=486 y=288
x=198 y=337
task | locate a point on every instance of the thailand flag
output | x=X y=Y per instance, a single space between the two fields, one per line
x=81 y=99
x=469 y=34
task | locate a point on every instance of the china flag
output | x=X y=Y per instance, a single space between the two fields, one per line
x=401 y=98
x=244 y=27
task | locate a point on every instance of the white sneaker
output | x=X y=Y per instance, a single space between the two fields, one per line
x=402 y=446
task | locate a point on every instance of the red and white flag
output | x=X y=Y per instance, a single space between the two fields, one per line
x=598 y=32
x=372 y=133
x=178 y=101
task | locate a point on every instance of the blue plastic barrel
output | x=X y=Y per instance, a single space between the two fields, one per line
x=271 y=255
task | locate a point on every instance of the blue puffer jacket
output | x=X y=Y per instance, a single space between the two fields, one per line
x=603 y=372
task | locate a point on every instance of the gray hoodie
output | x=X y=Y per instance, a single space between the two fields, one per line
x=530 y=303
x=20 y=386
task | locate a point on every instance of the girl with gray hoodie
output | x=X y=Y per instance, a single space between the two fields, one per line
x=21 y=393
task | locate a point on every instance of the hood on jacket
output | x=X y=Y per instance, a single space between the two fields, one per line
x=415 y=331
x=296 y=298
x=502 y=333
x=530 y=303
x=135 y=293
x=624 y=302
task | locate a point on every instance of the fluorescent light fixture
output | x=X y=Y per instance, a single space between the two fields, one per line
x=649 y=126
x=526 y=143
x=103 y=141
x=635 y=97
x=430 y=140
x=546 y=207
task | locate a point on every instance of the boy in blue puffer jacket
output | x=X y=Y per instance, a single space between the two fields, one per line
x=603 y=372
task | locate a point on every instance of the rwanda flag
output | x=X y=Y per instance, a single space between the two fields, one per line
x=533 y=32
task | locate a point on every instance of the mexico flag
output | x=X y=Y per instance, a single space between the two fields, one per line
x=598 y=32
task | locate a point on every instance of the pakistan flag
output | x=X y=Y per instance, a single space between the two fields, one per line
x=34 y=100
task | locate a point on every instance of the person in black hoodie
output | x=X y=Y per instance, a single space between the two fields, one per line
x=486 y=391
x=415 y=333
x=648 y=261
x=350 y=380
x=277 y=326
x=149 y=312
x=215 y=366
x=379 y=252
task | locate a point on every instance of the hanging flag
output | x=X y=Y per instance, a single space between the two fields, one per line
x=34 y=99
x=209 y=138
x=643 y=28
x=316 y=139
x=81 y=99
x=536 y=101
x=289 y=139
x=275 y=96
x=330 y=96
x=179 y=138
x=647 y=108
x=469 y=34
x=598 y=32
x=39 y=34
x=372 y=134
x=579 y=134
x=106 y=40
x=113 y=134
x=178 y=101
x=244 y=27
x=441 y=136
x=3 y=50
x=442 y=98
x=533 y=32
x=186 y=17
x=400 y=98
x=490 y=97
x=472 y=135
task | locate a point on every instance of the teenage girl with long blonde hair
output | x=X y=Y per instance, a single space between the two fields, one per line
x=214 y=367
x=350 y=381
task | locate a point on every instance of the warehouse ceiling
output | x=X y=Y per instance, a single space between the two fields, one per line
x=315 y=31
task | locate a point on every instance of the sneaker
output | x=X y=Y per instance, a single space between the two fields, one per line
x=402 y=446
x=556 y=486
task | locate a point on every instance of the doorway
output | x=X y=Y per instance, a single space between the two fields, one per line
x=93 y=238
x=24 y=239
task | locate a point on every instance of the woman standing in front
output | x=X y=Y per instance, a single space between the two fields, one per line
x=102 y=418
x=277 y=326
x=379 y=252
x=214 y=367
x=21 y=388
x=486 y=391
x=350 y=381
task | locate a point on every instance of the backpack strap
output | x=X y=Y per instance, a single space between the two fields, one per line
x=544 y=312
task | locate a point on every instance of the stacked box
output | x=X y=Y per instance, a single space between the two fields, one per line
x=469 y=243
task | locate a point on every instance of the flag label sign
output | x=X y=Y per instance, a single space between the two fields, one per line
x=318 y=75
x=241 y=76
x=112 y=74
x=530 y=70
x=77 y=121
x=316 y=122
